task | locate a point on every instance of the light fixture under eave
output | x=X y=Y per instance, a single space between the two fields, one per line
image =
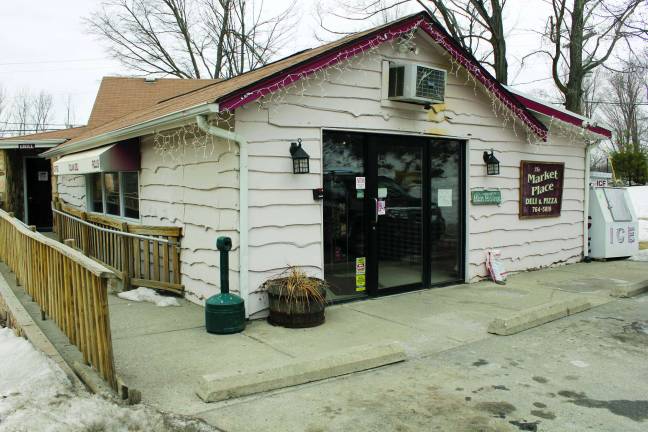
x=300 y=158
x=492 y=164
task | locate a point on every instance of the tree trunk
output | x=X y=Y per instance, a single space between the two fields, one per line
x=499 y=43
x=574 y=95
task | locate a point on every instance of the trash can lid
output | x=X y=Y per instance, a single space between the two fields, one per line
x=223 y=299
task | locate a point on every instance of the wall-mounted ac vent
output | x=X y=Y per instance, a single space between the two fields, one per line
x=410 y=82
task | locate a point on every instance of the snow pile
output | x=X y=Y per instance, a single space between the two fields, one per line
x=639 y=198
x=148 y=295
x=35 y=395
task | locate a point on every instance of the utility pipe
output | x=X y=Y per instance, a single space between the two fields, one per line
x=588 y=151
x=203 y=124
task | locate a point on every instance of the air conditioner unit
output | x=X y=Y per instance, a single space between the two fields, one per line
x=409 y=82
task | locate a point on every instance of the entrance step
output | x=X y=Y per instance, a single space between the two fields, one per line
x=536 y=316
x=221 y=386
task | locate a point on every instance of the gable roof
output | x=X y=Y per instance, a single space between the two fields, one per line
x=119 y=96
x=116 y=97
x=242 y=89
x=60 y=134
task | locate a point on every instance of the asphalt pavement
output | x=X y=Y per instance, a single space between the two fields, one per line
x=586 y=372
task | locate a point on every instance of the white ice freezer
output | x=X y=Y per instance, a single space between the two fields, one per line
x=614 y=228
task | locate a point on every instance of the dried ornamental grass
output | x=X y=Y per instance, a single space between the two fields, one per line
x=298 y=288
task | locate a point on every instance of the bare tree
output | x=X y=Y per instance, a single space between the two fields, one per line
x=191 y=38
x=474 y=21
x=477 y=25
x=69 y=114
x=3 y=110
x=28 y=113
x=41 y=111
x=625 y=114
x=591 y=94
x=21 y=112
x=582 y=35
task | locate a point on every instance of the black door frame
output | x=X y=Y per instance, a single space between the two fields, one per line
x=371 y=170
x=25 y=180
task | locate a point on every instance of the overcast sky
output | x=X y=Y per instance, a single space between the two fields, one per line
x=45 y=46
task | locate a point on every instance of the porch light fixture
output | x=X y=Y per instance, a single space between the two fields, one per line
x=300 y=158
x=492 y=164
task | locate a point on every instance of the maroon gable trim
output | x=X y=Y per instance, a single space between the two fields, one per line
x=286 y=77
x=561 y=115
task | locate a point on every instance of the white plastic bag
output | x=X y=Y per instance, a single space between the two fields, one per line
x=495 y=267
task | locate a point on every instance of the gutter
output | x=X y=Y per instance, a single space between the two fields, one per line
x=201 y=120
x=132 y=131
x=588 y=151
x=39 y=143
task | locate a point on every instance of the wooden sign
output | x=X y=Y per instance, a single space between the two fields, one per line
x=541 y=186
x=485 y=197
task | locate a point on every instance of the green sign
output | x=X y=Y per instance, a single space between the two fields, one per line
x=486 y=197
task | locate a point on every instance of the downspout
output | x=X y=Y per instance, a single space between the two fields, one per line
x=588 y=150
x=203 y=124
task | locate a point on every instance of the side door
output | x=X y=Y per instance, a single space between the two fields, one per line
x=38 y=192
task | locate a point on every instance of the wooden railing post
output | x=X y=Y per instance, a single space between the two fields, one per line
x=125 y=258
x=136 y=256
x=70 y=289
x=59 y=221
x=85 y=236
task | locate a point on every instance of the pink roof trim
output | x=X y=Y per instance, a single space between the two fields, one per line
x=561 y=115
x=266 y=86
x=311 y=66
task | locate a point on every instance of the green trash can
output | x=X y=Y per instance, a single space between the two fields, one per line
x=224 y=312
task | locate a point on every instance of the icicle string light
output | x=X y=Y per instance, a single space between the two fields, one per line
x=333 y=67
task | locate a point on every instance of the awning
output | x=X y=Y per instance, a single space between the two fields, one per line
x=114 y=157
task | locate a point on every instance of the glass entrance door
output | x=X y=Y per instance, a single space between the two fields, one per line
x=397 y=190
x=446 y=211
x=393 y=213
x=345 y=220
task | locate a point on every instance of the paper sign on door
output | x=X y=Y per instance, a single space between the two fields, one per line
x=444 y=198
x=361 y=268
x=360 y=182
x=380 y=207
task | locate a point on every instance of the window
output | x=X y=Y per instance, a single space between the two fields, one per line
x=96 y=193
x=114 y=193
x=131 y=194
x=111 y=186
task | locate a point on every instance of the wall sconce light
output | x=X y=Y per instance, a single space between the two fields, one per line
x=492 y=164
x=300 y=158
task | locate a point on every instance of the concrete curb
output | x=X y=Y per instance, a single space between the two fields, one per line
x=536 y=316
x=23 y=325
x=630 y=290
x=217 y=387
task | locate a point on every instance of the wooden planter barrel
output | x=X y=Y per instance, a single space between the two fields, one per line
x=305 y=312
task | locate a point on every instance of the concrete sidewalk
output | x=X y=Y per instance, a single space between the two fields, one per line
x=164 y=352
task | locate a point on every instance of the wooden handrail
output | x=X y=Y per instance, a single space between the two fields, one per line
x=108 y=230
x=69 y=287
x=141 y=255
x=91 y=265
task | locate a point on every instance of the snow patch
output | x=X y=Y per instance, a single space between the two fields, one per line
x=641 y=256
x=142 y=294
x=36 y=395
x=579 y=363
x=639 y=198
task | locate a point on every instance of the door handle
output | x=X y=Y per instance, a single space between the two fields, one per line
x=375 y=210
